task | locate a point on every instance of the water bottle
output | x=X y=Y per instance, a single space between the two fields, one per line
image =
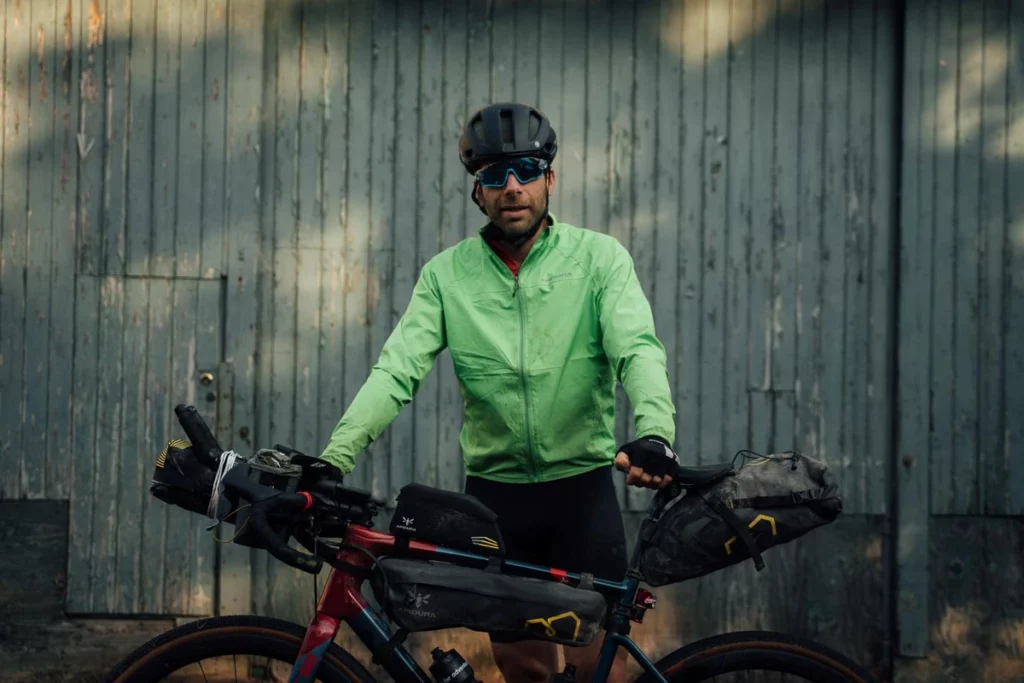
x=450 y=667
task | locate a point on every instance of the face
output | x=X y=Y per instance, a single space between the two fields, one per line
x=515 y=207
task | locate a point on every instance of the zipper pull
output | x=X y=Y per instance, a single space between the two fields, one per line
x=516 y=287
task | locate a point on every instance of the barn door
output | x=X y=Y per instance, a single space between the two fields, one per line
x=142 y=345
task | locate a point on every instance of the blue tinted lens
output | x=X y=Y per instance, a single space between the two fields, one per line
x=525 y=169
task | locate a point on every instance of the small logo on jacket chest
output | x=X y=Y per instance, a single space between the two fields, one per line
x=558 y=276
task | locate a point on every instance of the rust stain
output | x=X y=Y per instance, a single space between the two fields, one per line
x=956 y=632
x=65 y=65
x=17 y=14
x=216 y=10
x=41 y=59
x=88 y=86
x=95 y=24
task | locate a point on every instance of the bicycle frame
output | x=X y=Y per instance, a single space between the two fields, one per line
x=342 y=601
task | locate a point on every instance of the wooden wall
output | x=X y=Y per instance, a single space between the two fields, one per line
x=819 y=196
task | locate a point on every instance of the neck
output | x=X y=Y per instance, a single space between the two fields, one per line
x=519 y=252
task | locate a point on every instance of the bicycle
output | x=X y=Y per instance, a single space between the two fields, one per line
x=326 y=510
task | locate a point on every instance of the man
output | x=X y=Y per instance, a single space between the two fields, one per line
x=542 y=319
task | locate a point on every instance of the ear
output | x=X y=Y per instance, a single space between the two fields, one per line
x=551 y=180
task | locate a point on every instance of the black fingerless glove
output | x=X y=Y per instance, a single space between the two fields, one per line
x=653 y=455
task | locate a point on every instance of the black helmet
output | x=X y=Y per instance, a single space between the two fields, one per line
x=505 y=130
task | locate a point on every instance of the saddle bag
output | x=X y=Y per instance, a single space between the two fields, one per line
x=421 y=595
x=446 y=518
x=768 y=501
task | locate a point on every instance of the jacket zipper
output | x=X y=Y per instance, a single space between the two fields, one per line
x=526 y=381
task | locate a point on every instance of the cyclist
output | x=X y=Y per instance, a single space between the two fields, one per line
x=541 y=318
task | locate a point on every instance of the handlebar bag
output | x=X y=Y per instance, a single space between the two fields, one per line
x=423 y=595
x=446 y=518
x=769 y=501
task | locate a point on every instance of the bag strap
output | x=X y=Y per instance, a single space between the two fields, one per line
x=739 y=528
x=586 y=581
x=786 y=500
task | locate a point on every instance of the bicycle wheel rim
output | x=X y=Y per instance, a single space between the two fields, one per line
x=176 y=651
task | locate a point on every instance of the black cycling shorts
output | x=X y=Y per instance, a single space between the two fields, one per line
x=572 y=523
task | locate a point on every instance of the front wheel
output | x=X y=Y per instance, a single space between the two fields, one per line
x=757 y=656
x=236 y=649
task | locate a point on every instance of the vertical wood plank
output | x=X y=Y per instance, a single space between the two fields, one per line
x=91 y=130
x=714 y=227
x=835 y=226
x=812 y=163
x=645 y=80
x=84 y=406
x=428 y=225
x=551 y=91
x=762 y=236
x=478 y=91
x=284 y=376
x=407 y=112
x=857 y=462
x=526 y=55
x=137 y=461
x=310 y=226
x=572 y=138
x=503 y=24
x=598 y=117
x=966 y=248
x=181 y=523
x=881 y=382
x=115 y=141
x=382 y=217
x=165 y=137
x=209 y=328
x=40 y=220
x=785 y=228
x=994 y=467
x=188 y=235
x=688 y=418
x=1014 y=294
x=913 y=330
x=455 y=182
x=357 y=354
x=13 y=261
x=156 y=518
x=142 y=136
x=621 y=148
x=62 y=275
x=735 y=260
x=213 y=251
x=333 y=321
x=944 y=261
x=107 y=472
x=245 y=113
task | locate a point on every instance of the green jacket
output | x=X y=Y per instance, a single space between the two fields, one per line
x=537 y=357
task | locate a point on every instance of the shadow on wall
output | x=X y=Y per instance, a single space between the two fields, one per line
x=116 y=136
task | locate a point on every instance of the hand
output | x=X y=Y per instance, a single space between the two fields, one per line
x=648 y=462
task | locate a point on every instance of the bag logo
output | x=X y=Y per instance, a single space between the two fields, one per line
x=408 y=524
x=485 y=542
x=548 y=624
x=759 y=518
x=420 y=599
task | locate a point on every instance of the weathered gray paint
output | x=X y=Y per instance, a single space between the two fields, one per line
x=251 y=189
x=960 y=292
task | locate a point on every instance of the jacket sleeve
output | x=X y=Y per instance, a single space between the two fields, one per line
x=630 y=342
x=404 y=362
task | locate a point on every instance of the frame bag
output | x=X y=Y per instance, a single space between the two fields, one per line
x=422 y=595
x=768 y=501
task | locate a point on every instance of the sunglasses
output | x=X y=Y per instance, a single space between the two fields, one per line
x=526 y=170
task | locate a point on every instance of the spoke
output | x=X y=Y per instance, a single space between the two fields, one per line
x=204 y=672
x=234 y=665
x=266 y=668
